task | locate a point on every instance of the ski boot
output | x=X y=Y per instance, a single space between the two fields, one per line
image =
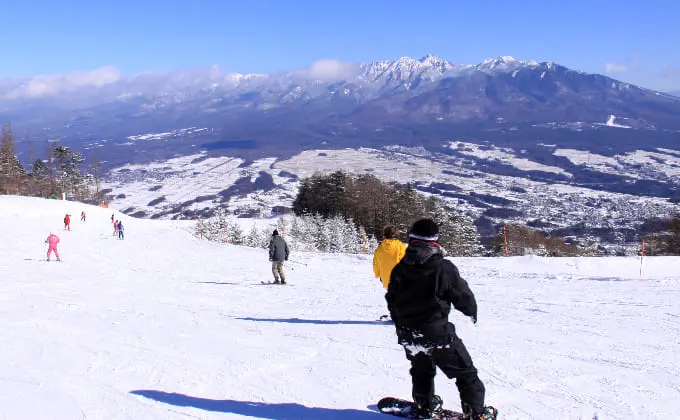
x=489 y=413
x=423 y=413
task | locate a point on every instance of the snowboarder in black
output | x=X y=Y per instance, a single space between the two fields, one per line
x=278 y=253
x=422 y=288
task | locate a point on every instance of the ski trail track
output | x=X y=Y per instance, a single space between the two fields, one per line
x=164 y=326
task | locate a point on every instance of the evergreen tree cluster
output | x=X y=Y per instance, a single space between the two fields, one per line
x=372 y=204
x=302 y=233
x=60 y=172
x=667 y=242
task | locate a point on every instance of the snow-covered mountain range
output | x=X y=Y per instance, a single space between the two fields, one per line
x=318 y=100
x=495 y=137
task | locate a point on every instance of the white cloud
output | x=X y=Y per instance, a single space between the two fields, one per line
x=330 y=70
x=41 y=86
x=616 y=68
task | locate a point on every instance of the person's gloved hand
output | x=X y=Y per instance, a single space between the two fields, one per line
x=473 y=318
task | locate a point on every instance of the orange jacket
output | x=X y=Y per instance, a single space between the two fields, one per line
x=67 y=220
x=385 y=257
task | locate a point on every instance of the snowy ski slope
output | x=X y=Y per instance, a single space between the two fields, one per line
x=164 y=326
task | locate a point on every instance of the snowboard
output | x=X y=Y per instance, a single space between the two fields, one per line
x=404 y=408
x=274 y=284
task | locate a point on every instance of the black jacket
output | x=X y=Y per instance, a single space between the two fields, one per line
x=423 y=286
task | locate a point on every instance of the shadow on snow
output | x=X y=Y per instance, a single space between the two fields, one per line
x=218 y=282
x=314 y=321
x=282 y=411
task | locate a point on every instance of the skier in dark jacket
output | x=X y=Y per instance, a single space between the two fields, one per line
x=422 y=288
x=278 y=253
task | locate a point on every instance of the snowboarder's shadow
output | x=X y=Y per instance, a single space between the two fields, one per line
x=282 y=411
x=312 y=321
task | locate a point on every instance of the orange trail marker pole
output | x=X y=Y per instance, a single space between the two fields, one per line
x=505 y=239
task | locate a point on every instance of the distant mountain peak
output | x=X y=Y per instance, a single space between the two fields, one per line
x=505 y=59
x=406 y=69
x=505 y=62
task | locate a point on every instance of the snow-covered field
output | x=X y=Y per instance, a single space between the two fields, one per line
x=161 y=188
x=164 y=326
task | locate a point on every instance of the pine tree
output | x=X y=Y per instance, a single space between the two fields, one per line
x=236 y=234
x=68 y=174
x=40 y=177
x=256 y=238
x=457 y=232
x=12 y=173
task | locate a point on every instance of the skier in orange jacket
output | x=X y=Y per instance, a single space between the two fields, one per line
x=390 y=251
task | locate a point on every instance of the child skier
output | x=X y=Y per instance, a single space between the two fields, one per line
x=120 y=230
x=423 y=286
x=67 y=222
x=52 y=240
x=82 y=216
x=115 y=228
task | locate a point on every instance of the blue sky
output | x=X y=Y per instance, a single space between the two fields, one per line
x=634 y=41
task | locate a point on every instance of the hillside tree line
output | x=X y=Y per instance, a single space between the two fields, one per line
x=61 y=170
x=371 y=204
x=302 y=233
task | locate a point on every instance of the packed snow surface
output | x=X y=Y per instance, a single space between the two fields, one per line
x=162 y=325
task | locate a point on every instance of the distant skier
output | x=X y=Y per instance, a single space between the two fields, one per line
x=278 y=253
x=82 y=216
x=52 y=240
x=390 y=251
x=120 y=230
x=422 y=288
x=67 y=222
x=115 y=228
x=112 y=219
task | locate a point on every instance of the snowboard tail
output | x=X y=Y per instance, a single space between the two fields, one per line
x=407 y=409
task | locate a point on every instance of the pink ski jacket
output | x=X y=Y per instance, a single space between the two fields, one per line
x=53 y=240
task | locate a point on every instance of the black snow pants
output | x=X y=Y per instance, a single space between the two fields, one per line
x=455 y=361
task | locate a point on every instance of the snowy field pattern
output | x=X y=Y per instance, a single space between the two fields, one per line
x=194 y=183
x=164 y=326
